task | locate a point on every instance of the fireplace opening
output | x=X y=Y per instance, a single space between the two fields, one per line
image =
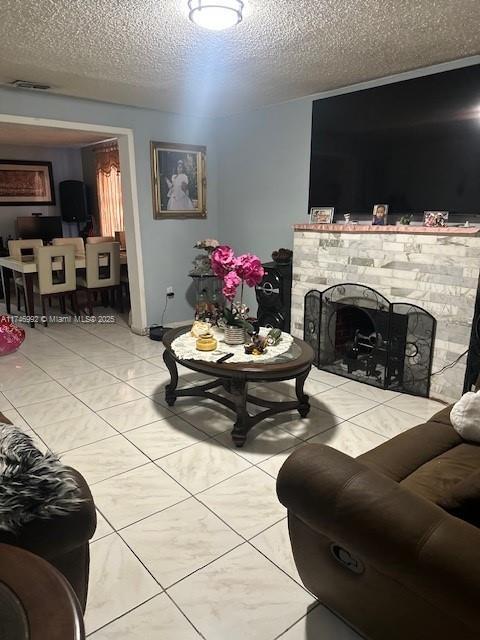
x=357 y=333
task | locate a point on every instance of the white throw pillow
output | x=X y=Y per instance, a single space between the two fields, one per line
x=465 y=416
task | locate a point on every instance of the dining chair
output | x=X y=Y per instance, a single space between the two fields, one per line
x=56 y=276
x=102 y=272
x=77 y=243
x=99 y=239
x=22 y=250
x=120 y=237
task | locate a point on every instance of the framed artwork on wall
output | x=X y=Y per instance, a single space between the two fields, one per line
x=24 y=182
x=179 y=180
x=321 y=215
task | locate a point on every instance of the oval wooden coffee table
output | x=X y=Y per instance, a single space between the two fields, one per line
x=234 y=378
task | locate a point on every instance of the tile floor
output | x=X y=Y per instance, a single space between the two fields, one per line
x=191 y=540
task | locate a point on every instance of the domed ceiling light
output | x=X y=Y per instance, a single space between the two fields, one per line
x=216 y=14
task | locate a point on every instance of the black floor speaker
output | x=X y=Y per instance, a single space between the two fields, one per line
x=73 y=201
x=274 y=296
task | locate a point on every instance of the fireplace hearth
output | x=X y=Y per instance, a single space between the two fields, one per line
x=358 y=333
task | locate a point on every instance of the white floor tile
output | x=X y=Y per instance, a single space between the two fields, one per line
x=368 y=391
x=148 y=489
x=386 y=421
x=42 y=413
x=75 y=432
x=210 y=417
x=114 y=394
x=423 y=408
x=103 y=528
x=263 y=441
x=275 y=544
x=304 y=428
x=320 y=624
x=5 y=405
x=202 y=465
x=15 y=376
x=239 y=587
x=132 y=370
x=104 y=459
x=340 y=403
x=273 y=465
x=180 y=540
x=151 y=384
x=40 y=392
x=131 y=415
x=62 y=369
x=327 y=378
x=118 y=582
x=163 y=437
x=247 y=502
x=157 y=619
x=349 y=438
x=88 y=380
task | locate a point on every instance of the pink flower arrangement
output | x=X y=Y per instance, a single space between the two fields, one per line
x=222 y=260
x=235 y=271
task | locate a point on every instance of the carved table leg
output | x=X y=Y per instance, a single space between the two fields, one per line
x=170 y=395
x=304 y=405
x=238 y=389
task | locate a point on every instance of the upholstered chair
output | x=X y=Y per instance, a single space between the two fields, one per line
x=99 y=239
x=76 y=242
x=22 y=250
x=56 y=275
x=102 y=270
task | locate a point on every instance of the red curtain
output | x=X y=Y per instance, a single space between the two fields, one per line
x=109 y=189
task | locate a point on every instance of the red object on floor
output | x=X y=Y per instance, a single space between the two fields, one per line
x=11 y=336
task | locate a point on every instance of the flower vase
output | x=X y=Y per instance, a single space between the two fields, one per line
x=234 y=335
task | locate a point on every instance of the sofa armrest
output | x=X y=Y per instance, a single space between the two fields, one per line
x=52 y=537
x=388 y=527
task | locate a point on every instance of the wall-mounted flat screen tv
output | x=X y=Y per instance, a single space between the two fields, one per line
x=413 y=144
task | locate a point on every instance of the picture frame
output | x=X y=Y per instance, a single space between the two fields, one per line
x=380 y=214
x=321 y=215
x=179 y=182
x=435 y=218
x=25 y=182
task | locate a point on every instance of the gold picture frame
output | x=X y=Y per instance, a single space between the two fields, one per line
x=179 y=181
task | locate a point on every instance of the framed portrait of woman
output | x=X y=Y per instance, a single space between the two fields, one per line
x=179 y=180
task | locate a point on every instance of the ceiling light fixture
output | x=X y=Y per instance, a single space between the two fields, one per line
x=216 y=14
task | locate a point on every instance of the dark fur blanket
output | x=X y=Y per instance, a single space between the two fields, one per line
x=32 y=484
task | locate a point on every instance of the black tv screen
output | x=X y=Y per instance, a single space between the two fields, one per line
x=414 y=145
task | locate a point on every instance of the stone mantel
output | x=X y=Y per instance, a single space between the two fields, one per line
x=437 y=269
x=368 y=228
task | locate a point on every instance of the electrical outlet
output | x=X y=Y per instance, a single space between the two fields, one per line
x=170 y=292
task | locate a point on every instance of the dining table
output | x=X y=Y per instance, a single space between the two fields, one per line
x=27 y=267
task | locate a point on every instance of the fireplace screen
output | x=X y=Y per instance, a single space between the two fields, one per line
x=357 y=333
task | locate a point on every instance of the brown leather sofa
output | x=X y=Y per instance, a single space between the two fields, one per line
x=62 y=540
x=390 y=541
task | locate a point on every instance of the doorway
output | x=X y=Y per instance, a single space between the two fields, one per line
x=90 y=133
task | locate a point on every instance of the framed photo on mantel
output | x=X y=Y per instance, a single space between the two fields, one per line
x=321 y=215
x=24 y=182
x=179 y=180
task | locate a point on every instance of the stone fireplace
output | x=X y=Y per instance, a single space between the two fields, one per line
x=357 y=333
x=423 y=276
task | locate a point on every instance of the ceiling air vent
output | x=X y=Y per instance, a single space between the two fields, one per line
x=27 y=84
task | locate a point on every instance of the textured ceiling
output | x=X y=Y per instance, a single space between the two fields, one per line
x=35 y=136
x=147 y=52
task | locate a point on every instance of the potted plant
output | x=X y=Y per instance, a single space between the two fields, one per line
x=235 y=272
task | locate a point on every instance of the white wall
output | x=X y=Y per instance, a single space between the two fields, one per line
x=167 y=244
x=66 y=165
